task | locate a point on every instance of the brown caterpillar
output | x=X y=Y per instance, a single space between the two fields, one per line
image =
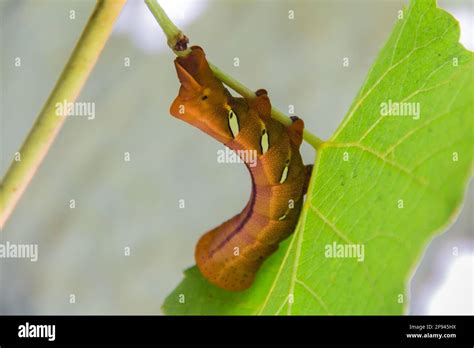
x=230 y=255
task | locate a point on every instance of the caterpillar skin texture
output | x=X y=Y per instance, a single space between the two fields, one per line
x=230 y=255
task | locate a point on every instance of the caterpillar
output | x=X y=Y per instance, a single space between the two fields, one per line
x=230 y=255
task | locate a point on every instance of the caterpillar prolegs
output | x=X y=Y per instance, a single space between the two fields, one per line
x=230 y=255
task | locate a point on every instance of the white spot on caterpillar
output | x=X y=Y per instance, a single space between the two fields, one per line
x=283 y=217
x=264 y=140
x=233 y=123
x=284 y=174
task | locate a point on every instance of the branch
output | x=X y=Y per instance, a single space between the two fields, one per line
x=68 y=87
x=177 y=41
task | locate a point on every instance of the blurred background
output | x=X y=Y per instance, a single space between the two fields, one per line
x=133 y=205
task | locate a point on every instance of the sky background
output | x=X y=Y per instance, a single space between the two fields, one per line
x=134 y=204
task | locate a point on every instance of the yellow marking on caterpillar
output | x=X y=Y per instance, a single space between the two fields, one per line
x=233 y=122
x=284 y=174
x=264 y=141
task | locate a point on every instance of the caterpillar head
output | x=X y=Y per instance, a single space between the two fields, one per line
x=202 y=100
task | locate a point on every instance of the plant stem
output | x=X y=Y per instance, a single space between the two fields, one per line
x=175 y=36
x=68 y=87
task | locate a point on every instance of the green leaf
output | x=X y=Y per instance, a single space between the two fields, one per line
x=386 y=183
